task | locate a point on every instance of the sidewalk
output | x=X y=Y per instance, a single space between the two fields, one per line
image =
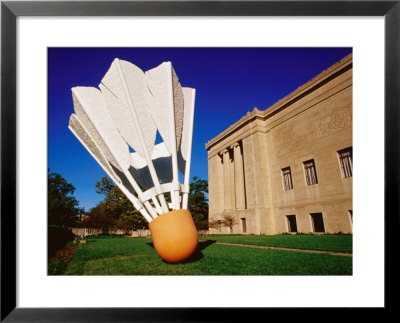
x=287 y=249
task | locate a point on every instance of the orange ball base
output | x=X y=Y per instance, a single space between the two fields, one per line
x=174 y=235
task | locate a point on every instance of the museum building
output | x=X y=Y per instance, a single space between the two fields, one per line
x=288 y=168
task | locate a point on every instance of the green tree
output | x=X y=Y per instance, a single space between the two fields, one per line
x=198 y=202
x=117 y=206
x=132 y=221
x=115 y=202
x=62 y=205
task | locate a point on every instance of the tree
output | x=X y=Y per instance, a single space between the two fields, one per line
x=198 y=202
x=98 y=219
x=118 y=207
x=229 y=221
x=104 y=186
x=115 y=203
x=62 y=205
x=215 y=224
x=132 y=221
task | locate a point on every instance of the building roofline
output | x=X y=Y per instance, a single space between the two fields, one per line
x=337 y=68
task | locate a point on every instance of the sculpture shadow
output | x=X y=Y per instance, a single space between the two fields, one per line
x=196 y=255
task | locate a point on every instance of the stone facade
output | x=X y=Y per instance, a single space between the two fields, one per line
x=292 y=159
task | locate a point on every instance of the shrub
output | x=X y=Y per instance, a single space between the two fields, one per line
x=57 y=239
x=56 y=267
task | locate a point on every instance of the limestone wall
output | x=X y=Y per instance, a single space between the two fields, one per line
x=312 y=123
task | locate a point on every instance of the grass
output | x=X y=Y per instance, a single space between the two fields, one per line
x=324 y=242
x=127 y=256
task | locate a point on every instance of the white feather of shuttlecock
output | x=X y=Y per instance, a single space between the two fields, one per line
x=93 y=114
x=121 y=181
x=127 y=111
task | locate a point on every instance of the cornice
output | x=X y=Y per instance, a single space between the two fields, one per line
x=256 y=114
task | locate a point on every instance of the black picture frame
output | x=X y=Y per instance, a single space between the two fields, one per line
x=10 y=10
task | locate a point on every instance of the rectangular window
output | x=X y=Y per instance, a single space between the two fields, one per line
x=351 y=219
x=318 y=222
x=346 y=161
x=287 y=178
x=310 y=172
x=243 y=220
x=292 y=224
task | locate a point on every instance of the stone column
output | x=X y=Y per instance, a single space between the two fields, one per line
x=215 y=185
x=239 y=177
x=220 y=180
x=232 y=178
x=227 y=180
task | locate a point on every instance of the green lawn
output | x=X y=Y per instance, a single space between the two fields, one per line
x=324 y=242
x=127 y=256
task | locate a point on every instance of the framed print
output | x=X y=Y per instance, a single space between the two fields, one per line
x=28 y=29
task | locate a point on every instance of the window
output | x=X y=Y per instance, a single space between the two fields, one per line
x=243 y=220
x=291 y=221
x=287 y=178
x=351 y=219
x=318 y=222
x=346 y=162
x=311 y=173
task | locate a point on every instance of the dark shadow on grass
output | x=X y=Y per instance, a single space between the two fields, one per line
x=197 y=254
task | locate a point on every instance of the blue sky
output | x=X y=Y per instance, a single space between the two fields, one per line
x=229 y=82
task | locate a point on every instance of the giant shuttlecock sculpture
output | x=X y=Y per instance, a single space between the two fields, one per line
x=118 y=124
